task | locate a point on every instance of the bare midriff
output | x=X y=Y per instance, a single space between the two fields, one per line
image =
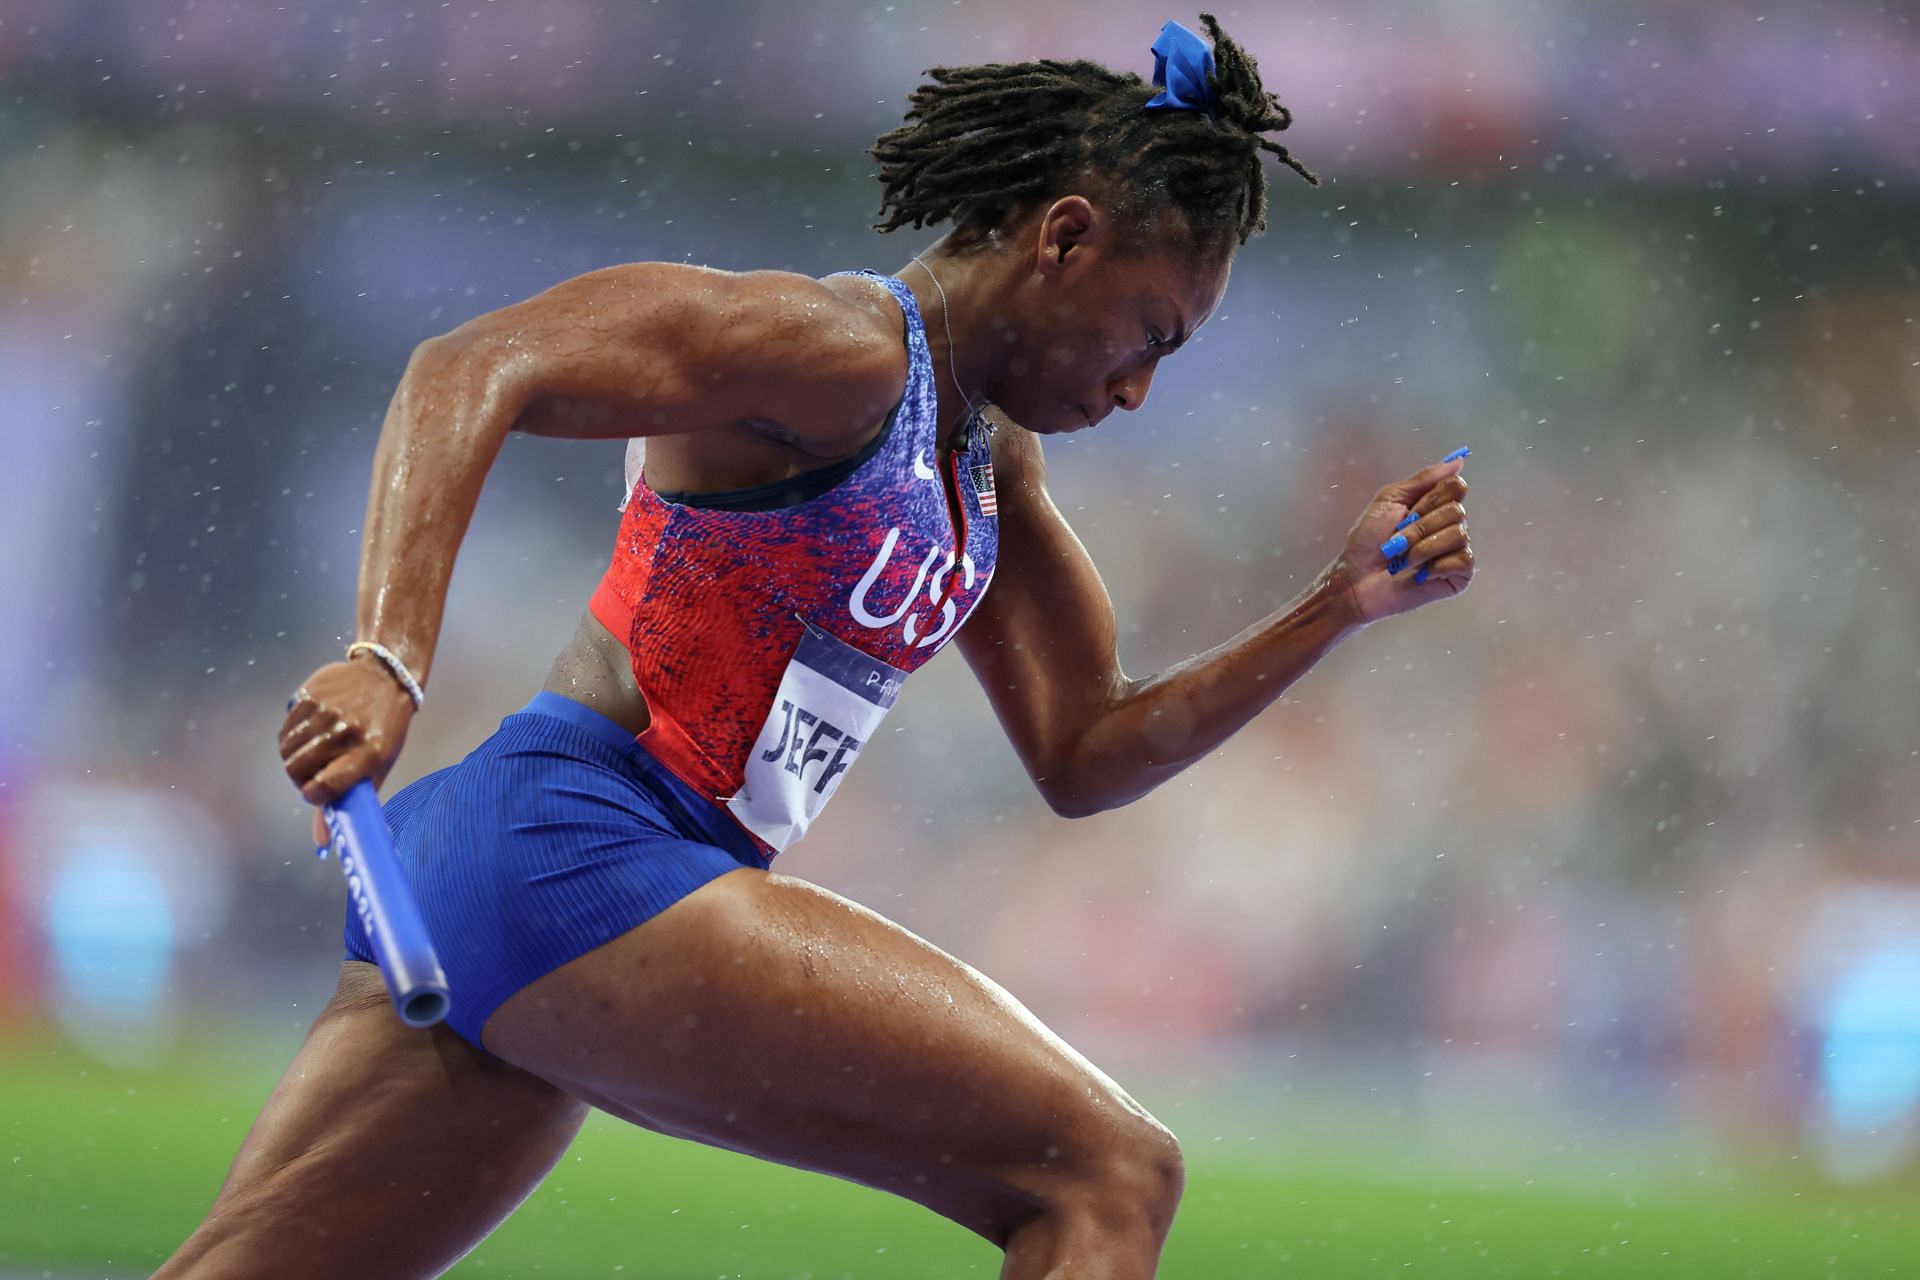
x=596 y=671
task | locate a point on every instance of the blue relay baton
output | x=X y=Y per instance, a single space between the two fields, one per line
x=378 y=891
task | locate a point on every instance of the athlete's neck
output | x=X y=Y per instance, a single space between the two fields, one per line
x=965 y=332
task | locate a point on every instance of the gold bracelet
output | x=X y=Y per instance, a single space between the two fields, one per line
x=391 y=661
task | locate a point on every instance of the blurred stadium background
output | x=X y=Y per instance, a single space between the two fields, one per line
x=1569 y=928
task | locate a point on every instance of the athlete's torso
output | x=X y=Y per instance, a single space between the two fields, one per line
x=768 y=640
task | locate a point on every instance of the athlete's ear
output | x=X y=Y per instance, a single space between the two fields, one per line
x=1069 y=225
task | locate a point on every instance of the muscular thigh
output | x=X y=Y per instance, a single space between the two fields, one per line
x=770 y=1016
x=384 y=1150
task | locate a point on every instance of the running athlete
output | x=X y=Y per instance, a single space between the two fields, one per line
x=823 y=505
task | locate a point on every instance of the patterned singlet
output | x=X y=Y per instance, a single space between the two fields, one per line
x=769 y=640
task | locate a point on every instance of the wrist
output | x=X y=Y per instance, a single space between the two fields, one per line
x=1332 y=592
x=392 y=664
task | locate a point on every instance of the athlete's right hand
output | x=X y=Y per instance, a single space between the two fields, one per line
x=348 y=721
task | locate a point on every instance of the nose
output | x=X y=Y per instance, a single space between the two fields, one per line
x=1130 y=392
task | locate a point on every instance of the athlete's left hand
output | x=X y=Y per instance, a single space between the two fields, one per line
x=1437 y=540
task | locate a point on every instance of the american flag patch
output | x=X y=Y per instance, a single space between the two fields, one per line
x=983 y=489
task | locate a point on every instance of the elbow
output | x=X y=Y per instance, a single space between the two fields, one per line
x=461 y=374
x=438 y=346
x=1076 y=777
x=439 y=364
x=438 y=354
x=1068 y=797
x=1075 y=808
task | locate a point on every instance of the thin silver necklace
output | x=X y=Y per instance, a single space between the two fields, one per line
x=946 y=323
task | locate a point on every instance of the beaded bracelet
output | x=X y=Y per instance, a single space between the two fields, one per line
x=391 y=660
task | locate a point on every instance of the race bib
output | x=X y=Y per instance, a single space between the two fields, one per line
x=831 y=699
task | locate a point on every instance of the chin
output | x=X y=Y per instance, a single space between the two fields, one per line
x=1065 y=420
x=1047 y=419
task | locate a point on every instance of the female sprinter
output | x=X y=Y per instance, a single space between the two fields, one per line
x=822 y=509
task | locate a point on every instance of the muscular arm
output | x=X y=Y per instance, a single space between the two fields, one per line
x=644 y=349
x=1044 y=646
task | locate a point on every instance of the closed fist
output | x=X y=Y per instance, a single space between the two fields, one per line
x=1436 y=541
x=347 y=722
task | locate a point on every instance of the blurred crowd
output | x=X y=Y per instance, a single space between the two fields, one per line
x=1630 y=825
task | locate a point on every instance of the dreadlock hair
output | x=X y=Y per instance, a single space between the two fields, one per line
x=981 y=144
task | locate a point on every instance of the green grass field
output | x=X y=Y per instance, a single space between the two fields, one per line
x=103 y=1170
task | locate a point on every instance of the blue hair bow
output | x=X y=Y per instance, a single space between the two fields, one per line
x=1181 y=64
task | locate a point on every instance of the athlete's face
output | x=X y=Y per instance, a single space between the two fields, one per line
x=1100 y=318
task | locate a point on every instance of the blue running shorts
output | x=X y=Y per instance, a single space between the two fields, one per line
x=555 y=835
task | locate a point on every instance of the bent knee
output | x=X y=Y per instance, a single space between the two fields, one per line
x=1145 y=1174
x=1127 y=1173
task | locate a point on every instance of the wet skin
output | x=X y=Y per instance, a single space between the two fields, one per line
x=762 y=1013
x=1054 y=351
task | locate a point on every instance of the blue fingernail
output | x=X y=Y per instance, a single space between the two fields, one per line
x=1420 y=576
x=1411 y=517
x=320 y=850
x=1394 y=546
x=1461 y=452
x=1396 y=564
